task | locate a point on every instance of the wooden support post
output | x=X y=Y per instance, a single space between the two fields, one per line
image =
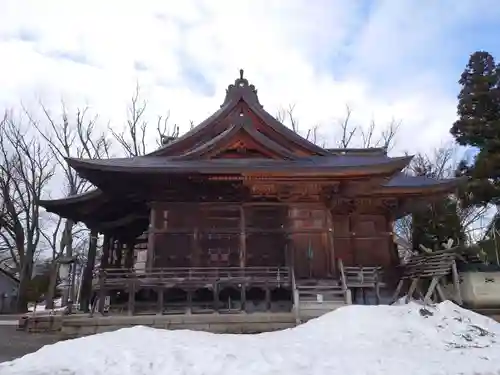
x=118 y=254
x=105 y=252
x=395 y=296
x=268 y=298
x=196 y=262
x=331 y=241
x=102 y=291
x=159 y=306
x=151 y=238
x=432 y=286
x=189 y=301
x=411 y=290
x=243 y=296
x=243 y=238
x=111 y=256
x=456 y=283
x=131 y=298
x=440 y=292
x=129 y=259
x=102 y=274
x=216 y=297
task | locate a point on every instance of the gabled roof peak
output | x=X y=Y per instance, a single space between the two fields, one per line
x=241 y=89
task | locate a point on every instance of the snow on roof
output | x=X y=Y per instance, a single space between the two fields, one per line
x=391 y=340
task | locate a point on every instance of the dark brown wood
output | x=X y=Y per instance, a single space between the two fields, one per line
x=129 y=257
x=151 y=236
x=243 y=239
x=237 y=194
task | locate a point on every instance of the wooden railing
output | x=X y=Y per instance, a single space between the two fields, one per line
x=193 y=275
x=362 y=277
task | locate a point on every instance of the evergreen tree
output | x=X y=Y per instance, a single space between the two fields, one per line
x=478 y=126
x=438 y=221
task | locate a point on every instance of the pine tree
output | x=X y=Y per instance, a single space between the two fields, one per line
x=478 y=126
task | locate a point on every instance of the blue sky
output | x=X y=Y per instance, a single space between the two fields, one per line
x=385 y=59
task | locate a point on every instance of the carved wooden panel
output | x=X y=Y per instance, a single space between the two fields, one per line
x=219 y=250
x=222 y=218
x=264 y=218
x=263 y=190
x=307 y=218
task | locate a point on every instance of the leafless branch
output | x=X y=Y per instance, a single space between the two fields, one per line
x=25 y=170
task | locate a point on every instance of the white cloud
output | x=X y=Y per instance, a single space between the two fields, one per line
x=319 y=55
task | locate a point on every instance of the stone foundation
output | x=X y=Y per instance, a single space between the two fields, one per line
x=81 y=325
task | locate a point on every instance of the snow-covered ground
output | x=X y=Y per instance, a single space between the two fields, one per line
x=389 y=340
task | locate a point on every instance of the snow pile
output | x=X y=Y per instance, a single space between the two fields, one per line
x=406 y=339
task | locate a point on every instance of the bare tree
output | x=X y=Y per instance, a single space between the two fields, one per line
x=349 y=134
x=286 y=116
x=133 y=139
x=358 y=136
x=25 y=170
x=66 y=137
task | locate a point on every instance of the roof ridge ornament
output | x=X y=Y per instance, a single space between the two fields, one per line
x=241 y=89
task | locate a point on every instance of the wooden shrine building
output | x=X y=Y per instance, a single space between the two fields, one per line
x=241 y=200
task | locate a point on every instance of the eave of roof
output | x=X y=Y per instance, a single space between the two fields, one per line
x=406 y=184
x=333 y=165
x=91 y=195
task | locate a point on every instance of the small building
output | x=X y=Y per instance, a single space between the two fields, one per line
x=9 y=286
x=241 y=209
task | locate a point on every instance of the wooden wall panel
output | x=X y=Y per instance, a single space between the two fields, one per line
x=342 y=243
x=265 y=249
x=266 y=242
x=371 y=240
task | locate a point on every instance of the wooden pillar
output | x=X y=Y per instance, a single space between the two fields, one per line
x=189 y=301
x=102 y=275
x=86 y=293
x=243 y=238
x=112 y=254
x=160 y=291
x=243 y=296
x=216 y=297
x=118 y=253
x=105 y=251
x=196 y=248
x=352 y=238
x=131 y=298
x=151 y=238
x=129 y=258
x=268 y=297
x=102 y=291
x=331 y=241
